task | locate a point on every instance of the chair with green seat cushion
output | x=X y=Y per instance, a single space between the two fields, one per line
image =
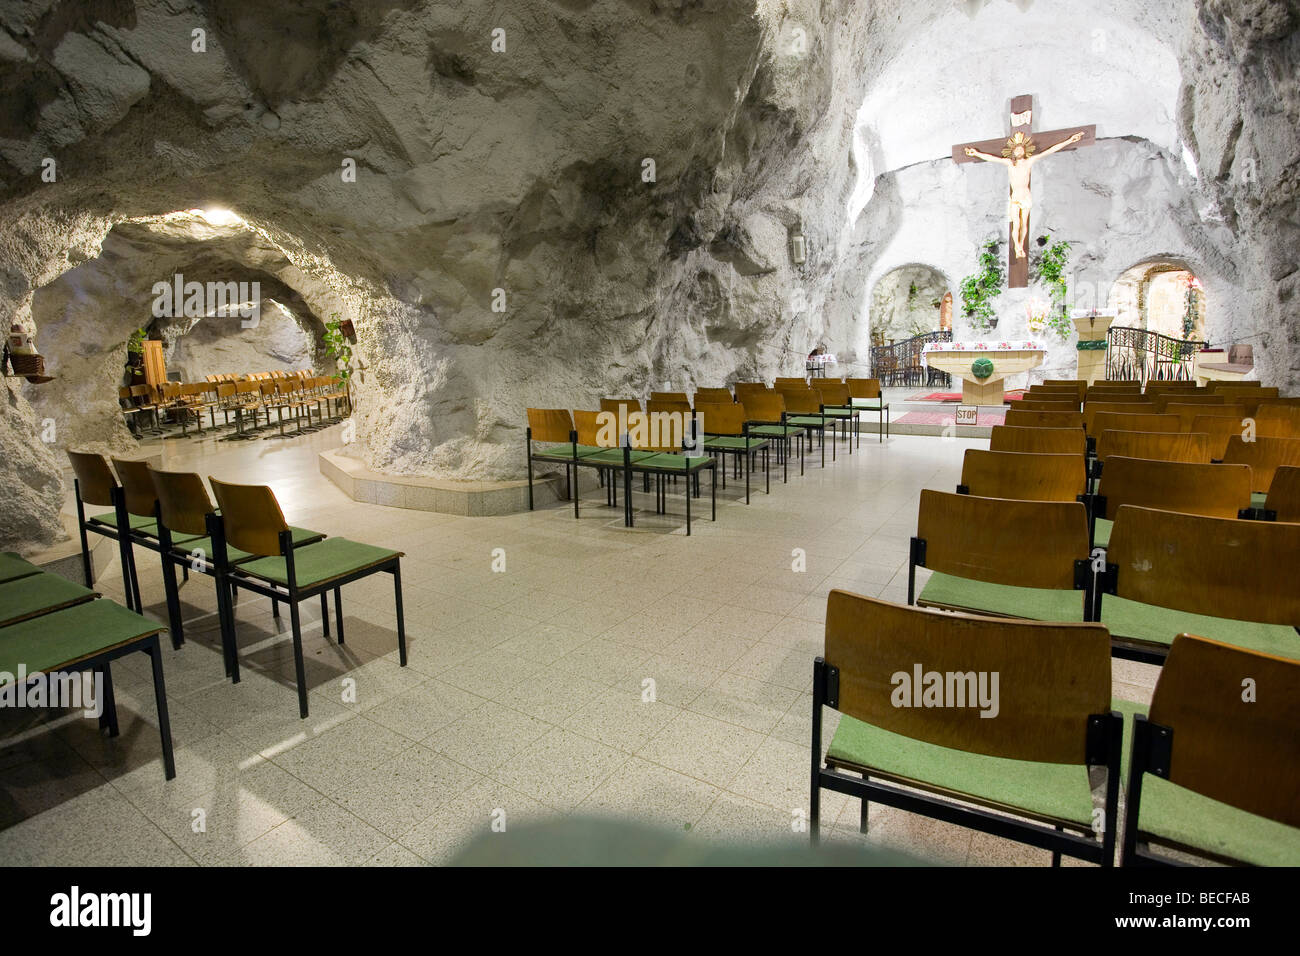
x=803 y=407
x=837 y=403
x=1216 y=490
x=553 y=429
x=183 y=505
x=13 y=567
x=765 y=414
x=95 y=484
x=661 y=444
x=865 y=395
x=601 y=431
x=38 y=594
x=1214 y=768
x=1007 y=715
x=1168 y=572
x=726 y=432
x=998 y=556
x=88 y=636
x=251 y=520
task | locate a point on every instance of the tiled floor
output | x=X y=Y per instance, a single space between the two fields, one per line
x=528 y=691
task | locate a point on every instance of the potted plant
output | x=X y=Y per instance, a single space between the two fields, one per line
x=135 y=353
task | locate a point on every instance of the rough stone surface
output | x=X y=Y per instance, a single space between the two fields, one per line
x=525 y=171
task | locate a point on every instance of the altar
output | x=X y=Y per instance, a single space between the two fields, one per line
x=983 y=366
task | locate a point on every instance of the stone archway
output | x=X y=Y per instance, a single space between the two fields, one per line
x=1154 y=295
x=906 y=301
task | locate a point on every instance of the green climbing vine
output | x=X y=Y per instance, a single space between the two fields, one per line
x=1049 y=269
x=979 y=290
x=336 y=346
x=135 y=352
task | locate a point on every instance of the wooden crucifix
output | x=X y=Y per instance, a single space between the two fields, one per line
x=1018 y=152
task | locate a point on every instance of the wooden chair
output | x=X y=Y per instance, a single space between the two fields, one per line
x=986 y=560
x=1022 y=418
x=1054 y=720
x=670 y=397
x=837 y=403
x=1131 y=422
x=1233 y=580
x=1213 y=385
x=766 y=416
x=597 y=447
x=713 y=396
x=1033 y=405
x=1283 y=500
x=1219 y=491
x=1164 y=386
x=796 y=382
x=1161 y=446
x=1264 y=455
x=1079 y=385
x=803 y=409
x=1163 y=400
x=745 y=389
x=1092 y=409
x=1023 y=476
x=726 y=432
x=1188 y=413
x=1277 y=421
x=553 y=429
x=95 y=484
x=865 y=394
x=1202 y=745
x=1038 y=441
x=614 y=405
x=182 y=506
x=664 y=439
x=277 y=568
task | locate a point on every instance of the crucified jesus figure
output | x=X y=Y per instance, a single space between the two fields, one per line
x=1018 y=156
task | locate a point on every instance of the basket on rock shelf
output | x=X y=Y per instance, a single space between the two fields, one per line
x=27 y=364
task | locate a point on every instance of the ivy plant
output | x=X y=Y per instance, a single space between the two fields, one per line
x=979 y=290
x=1049 y=269
x=337 y=347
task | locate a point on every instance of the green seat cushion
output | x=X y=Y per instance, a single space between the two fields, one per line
x=1258 y=499
x=670 y=462
x=1101 y=536
x=807 y=421
x=874 y=404
x=319 y=562
x=775 y=431
x=1059 y=791
x=141 y=523
x=733 y=442
x=564 y=452
x=13 y=567
x=190 y=545
x=1160 y=625
x=839 y=411
x=55 y=640
x=1176 y=815
x=1036 y=604
x=612 y=456
x=38 y=594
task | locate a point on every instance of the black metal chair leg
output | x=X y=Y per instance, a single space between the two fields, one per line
x=300 y=671
x=338 y=612
x=401 y=623
x=325 y=612
x=160 y=700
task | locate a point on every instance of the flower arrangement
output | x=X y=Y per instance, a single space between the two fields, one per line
x=1036 y=316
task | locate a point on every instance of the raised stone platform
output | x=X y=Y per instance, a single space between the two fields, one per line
x=467 y=498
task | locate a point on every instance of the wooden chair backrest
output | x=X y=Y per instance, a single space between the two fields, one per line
x=800 y=382
x=550 y=424
x=1079 y=385
x=749 y=388
x=801 y=401
x=670 y=397
x=863 y=387
x=1129 y=396
x=1024 y=418
x=588 y=425
x=711 y=396
x=1218 y=429
x=137 y=486
x=1214 y=385
x=1044 y=698
x=142 y=391
x=1247 y=391
x=1158 y=386
x=1242 y=753
x=1284 y=493
x=1163 y=400
x=659 y=408
x=1038 y=441
x=1277 y=421
x=662 y=427
x=1218 y=491
x=251 y=515
x=1223 y=567
x=1133 y=422
x=1023 y=476
x=1264 y=455
x=1040 y=393
x=612 y=404
x=1032 y=544
x=1188 y=413
x=1161 y=446
x=721 y=418
x=1093 y=408
x=1116 y=383
x=1036 y=405
x=94 y=478
x=765 y=407
x=833 y=393
x=182 y=500
x=226 y=389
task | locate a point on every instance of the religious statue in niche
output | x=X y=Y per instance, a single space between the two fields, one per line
x=1018 y=155
x=945 y=313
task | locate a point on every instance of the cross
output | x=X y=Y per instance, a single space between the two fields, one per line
x=1018 y=152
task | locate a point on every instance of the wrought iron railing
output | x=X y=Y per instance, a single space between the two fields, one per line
x=1145 y=355
x=900 y=363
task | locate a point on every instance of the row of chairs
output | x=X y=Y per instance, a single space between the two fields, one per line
x=306 y=402
x=242 y=542
x=674 y=436
x=1209 y=770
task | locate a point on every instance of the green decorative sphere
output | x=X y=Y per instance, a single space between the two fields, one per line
x=982 y=367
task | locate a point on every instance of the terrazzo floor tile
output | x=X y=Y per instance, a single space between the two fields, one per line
x=702 y=747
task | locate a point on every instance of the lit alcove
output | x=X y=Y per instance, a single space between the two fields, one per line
x=908 y=301
x=1161 y=295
